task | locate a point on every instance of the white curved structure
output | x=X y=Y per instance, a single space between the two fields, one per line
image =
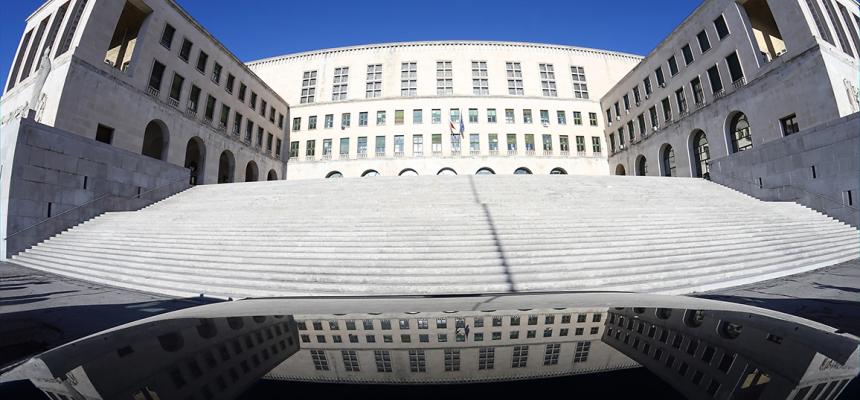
x=397 y=108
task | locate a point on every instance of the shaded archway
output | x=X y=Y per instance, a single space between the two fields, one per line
x=273 y=176
x=641 y=168
x=522 y=171
x=226 y=167
x=251 y=172
x=701 y=153
x=485 y=171
x=738 y=131
x=446 y=171
x=195 y=159
x=558 y=171
x=620 y=170
x=155 y=139
x=667 y=160
x=369 y=173
x=334 y=174
x=408 y=172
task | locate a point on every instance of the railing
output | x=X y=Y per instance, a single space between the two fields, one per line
x=97 y=206
x=309 y=157
x=152 y=91
x=494 y=152
x=740 y=82
x=326 y=156
x=564 y=153
x=399 y=154
x=173 y=102
x=720 y=94
x=191 y=113
x=530 y=153
x=580 y=153
x=512 y=152
x=361 y=155
x=379 y=154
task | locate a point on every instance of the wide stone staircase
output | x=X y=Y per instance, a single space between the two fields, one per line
x=447 y=235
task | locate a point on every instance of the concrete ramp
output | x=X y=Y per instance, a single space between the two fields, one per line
x=447 y=235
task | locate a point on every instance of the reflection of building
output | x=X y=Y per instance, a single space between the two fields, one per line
x=397 y=108
x=210 y=358
x=761 y=95
x=449 y=347
x=731 y=355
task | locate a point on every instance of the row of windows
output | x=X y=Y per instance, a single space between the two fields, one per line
x=461 y=336
x=215 y=76
x=361 y=145
x=444 y=80
x=451 y=358
x=442 y=322
x=436 y=118
x=823 y=22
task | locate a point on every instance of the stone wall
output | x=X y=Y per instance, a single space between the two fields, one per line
x=49 y=172
x=782 y=170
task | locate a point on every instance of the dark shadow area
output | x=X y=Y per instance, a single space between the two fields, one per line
x=636 y=382
x=499 y=250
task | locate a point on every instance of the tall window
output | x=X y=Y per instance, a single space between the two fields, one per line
x=327 y=147
x=547 y=143
x=544 y=117
x=491 y=115
x=408 y=79
x=714 y=77
x=156 y=76
x=417 y=145
x=398 y=117
x=480 y=80
x=527 y=116
x=329 y=121
x=642 y=127
x=515 y=78
x=595 y=144
x=486 y=358
x=687 y=51
x=652 y=113
x=563 y=143
x=473 y=115
x=520 y=356
x=493 y=141
x=344 y=147
x=698 y=93
x=380 y=146
x=740 y=131
x=341 y=79
x=647 y=84
x=512 y=142
x=592 y=119
x=840 y=31
x=673 y=66
x=185 y=50
x=721 y=27
x=309 y=86
x=444 y=78
x=580 y=87
x=374 y=81
x=455 y=143
x=380 y=118
x=297 y=123
x=580 y=144
x=668 y=161
x=704 y=42
x=294 y=149
x=658 y=73
x=509 y=115
x=474 y=143
x=455 y=115
x=361 y=145
x=167 y=36
x=681 y=98
x=530 y=142
x=848 y=16
x=209 y=111
x=417 y=116
x=547 y=80
x=345 y=120
x=310 y=148
x=399 y=146
x=735 y=70
x=216 y=73
x=702 y=153
x=667 y=109
x=637 y=96
x=561 y=116
x=362 y=118
x=436 y=116
x=312 y=122
x=202 y=59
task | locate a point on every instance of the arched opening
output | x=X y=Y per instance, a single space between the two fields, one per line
x=195 y=159
x=641 y=166
x=408 y=172
x=522 y=171
x=694 y=318
x=667 y=160
x=273 y=176
x=370 y=172
x=701 y=154
x=485 y=171
x=558 y=171
x=729 y=330
x=619 y=170
x=446 y=171
x=226 y=167
x=334 y=174
x=739 y=132
x=207 y=328
x=251 y=172
x=155 y=139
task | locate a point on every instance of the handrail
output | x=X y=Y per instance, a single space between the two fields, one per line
x=100 y=197
x=819 y=195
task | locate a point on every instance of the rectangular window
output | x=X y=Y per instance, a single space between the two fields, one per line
x=547 y=80
x=455 y=143
x=561 y=117
x=480 y=80
x=735 y=71
x=249 y=131
x=380 y=118
x=530 y=142
x=242 y=89
x=714 y=77
x=673 y=66
x=688 y=54
x=104 y=134
x=473 y=115
x=789 y=125
x=626 y=99
x=592 y=119
x=652 y=113
x=417 y=361
x=398 y=117
x=176 y=88
x=167 y=36
x=551 y=354
x=637 y=97
x=340 y=83
x=380 y=146
x=417 y=145
x=444 y=78
x=185 y=50
x=345 y=120
x=202 y=59
x=643 y=130
x=840 y=31
x=563 y=143
x=698 y=93
x=491 y=115
x=417 y=116
x=350 y=360
x=344 y=147
x=595 y=145
x=259 y=137
x=310 y=149
x=820 y=22
x=216 y=73
x=231 y=83
x=544 y=117
x=512 y=142
x=527 y=116
x=436 y=143
x=408 y=79
x=681 y=98
x=658 y=73
x=225 y=115
x=399 y=146
x=580 y=144
x=704 y=42
x=475 y=143
x=329 y=121
x=209 y=112
x=493 y=140
x=581 y=354
x=509 y=115
x=294 y=149
x=520 y=356
x=847 y=17
x=327 y=152
x=237 y=123
x=455 y=115
x=383 y=360
x=312 y=122
x=580 y=88
x=20 y=58
x=514 y=73
x=309 y=87
x=155 y=77
x=630 y=133
x=486 y=358
x=361 y=149
x=436 y=116
x=722 y=28
x=374 y=81
x=667 y=109
x=362 y=118
x=547 y=143
x=647 y=83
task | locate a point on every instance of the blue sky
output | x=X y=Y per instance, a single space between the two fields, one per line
x=255 y=29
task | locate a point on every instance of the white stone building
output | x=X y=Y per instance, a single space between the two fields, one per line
x=397 y=108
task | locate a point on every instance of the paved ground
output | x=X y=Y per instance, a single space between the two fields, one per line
x=40 y=310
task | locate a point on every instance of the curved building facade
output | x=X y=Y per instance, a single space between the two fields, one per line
x=431 y=108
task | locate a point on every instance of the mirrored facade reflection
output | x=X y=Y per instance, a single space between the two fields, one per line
x=703 y=352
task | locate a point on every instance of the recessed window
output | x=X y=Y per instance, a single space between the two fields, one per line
x=580 y=87
x=167 y=36
x=688 y=54
x=547 y=80
x=789 y=125
x=722 y=28
x=735 y=70
x=514 y=73
x=673 y=66
x=309 y=82
x=374 y=81
x=339 y=88
x=104 y=134
x=480 y=81
x=202 y=59
x=444 y=78
x=185 y=50
x=408 y=79
x=714 y=77
x=704 y=42
x=658 y=73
